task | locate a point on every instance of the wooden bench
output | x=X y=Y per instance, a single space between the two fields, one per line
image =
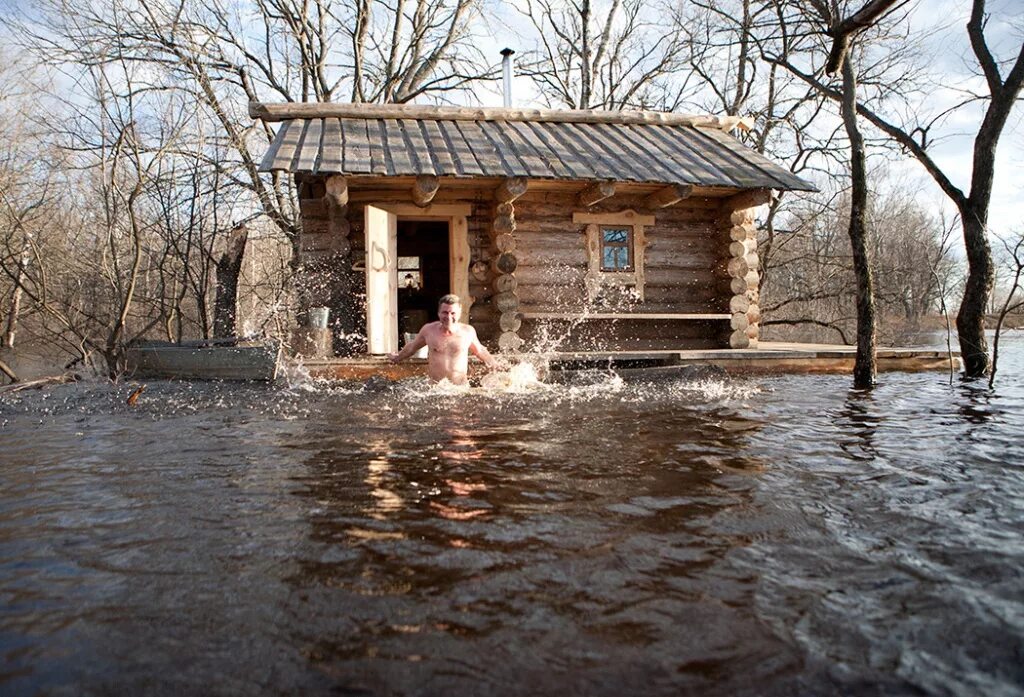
x=628 y=315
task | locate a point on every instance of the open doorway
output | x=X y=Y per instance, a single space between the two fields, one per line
x=424 y=273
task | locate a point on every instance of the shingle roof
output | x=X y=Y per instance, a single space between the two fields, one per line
x=400 y=140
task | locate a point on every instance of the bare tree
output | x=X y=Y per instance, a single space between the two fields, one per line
x=813 y=287
x=915 y=136
x=223 y=55
x=603 y=55
x=87 y=230
x=1014 y=257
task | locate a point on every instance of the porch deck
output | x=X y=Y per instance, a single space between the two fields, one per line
x=767 y=358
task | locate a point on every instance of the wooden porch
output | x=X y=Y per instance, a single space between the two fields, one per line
x=768 y=358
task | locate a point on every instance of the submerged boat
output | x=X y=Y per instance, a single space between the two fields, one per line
x=212 y=359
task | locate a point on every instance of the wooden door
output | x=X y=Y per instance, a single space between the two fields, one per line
x=381 y=280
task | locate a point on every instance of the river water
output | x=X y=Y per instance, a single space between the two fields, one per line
x=761 y=536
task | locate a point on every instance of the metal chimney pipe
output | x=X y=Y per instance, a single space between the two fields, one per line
x=506 y=67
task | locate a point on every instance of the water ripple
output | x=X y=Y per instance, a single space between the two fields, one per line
x=784 y=535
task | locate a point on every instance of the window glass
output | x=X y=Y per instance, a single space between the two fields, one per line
x=410 y=273
x=616 y=249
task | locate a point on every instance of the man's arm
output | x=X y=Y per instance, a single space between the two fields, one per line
x=412 y=347
x=481 y=352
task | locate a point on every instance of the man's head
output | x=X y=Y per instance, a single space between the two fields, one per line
x=449 y=308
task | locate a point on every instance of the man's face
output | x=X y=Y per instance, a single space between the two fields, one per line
x=449 y=314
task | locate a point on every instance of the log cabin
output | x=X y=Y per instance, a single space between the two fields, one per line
x=561 y=230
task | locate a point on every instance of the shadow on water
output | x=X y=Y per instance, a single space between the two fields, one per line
x=779 y=536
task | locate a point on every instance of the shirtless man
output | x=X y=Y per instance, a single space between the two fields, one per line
x=448 y=343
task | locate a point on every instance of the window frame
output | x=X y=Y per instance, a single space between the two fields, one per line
x=597 y=278
x=628 y=245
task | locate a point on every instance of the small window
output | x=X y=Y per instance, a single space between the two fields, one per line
x=410 y=273
x=615 y=253
x=616 y=248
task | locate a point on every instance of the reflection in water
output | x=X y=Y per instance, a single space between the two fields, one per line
x=378 y=475
x=861 y=425
x=784 y=536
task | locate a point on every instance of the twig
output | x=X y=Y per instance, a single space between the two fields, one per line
x=40 y=383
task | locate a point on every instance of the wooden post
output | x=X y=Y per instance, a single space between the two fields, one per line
x=738 y=214
x=424 y=190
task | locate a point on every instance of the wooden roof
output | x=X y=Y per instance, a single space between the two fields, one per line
x=402 y=140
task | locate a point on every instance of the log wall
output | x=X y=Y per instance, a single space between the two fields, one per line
x=692 y=266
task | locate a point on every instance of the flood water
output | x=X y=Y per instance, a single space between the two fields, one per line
x=716 y=536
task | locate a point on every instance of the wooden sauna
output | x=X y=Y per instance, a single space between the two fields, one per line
x=561 y=230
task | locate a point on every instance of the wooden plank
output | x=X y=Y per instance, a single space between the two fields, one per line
x=533 y=166
x=397 y=149
x=309 y=151
x=458 y=244
x=375 y=138
x=269 y=162
x=294 y=131
x=381 y=228
x=465 y=161
x=439 y=148
x=753 y=161
x=627 y=315
x=424 y=163
x=507 y=154
x=733 y=167
x=332 y=149
x=568 y=153
x=357 y=147
x=628 y=217
x=482 y=149
x=652 y=158
x=688 y=165
x=435 y=211
x=613 y=150
x=554 y=165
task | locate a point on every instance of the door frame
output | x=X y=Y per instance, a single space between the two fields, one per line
x=456 y=215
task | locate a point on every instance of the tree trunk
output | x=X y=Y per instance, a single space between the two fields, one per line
x=229 y=268
x=12 y=315
x=9 y=372
x=864 y=366
x=970 y=320
x=12 y=318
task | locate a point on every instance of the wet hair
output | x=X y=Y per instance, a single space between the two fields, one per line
x=450 y=299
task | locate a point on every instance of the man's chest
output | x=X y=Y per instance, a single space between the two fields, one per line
x=449 y=345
